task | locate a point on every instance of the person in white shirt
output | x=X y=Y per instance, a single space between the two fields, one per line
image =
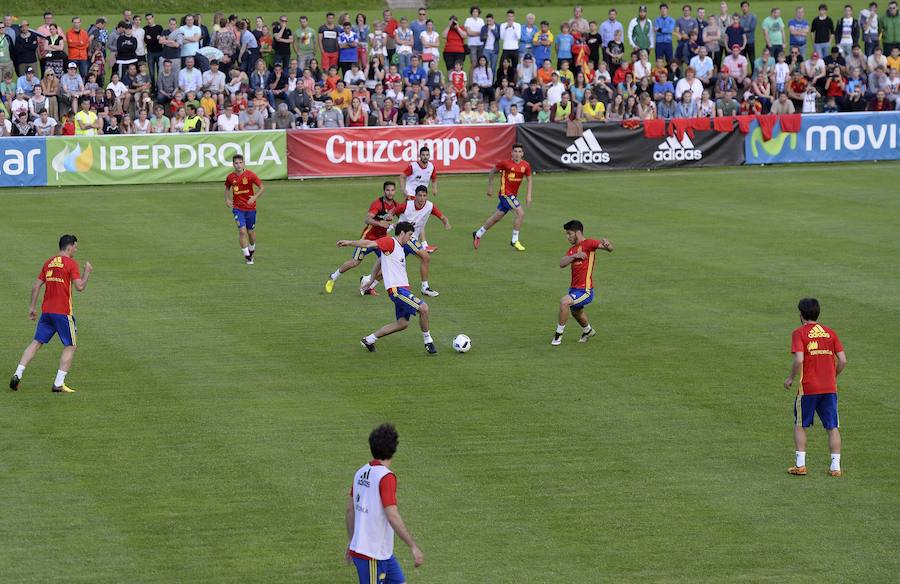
x=703 y=65
x=372 y=516
x=190 y=78
x=514 y=116
x=510 y=35
x=473 y=26
x=142 y=123
x=139 y=34
x=689 y=83
x=213 y=81
x=525 y=72
x=192 y=34
x=227 y=121
x=431 y=41
x=555 y=90
x=45 y=125
x=642 y=68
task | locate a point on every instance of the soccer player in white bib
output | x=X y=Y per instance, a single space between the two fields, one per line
x=372 y=515
x=416 y=212
x=393 y=251
x=420 y=173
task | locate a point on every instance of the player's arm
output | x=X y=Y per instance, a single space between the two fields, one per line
x=350 y=518
x=434 y=183
x=570 y=259
x=357 y=243
x=35 y=292
x=393 y=517
x=841 y=363
x=81 y=283
x=229 y=197
x=528 y=195
x=796 y=367
x=257 y=194
x=371 y=220
x=606 y=245
x=491 y=173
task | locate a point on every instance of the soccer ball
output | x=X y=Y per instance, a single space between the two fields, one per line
x=462 y=344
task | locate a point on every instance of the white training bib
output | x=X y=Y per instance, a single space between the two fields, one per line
x=373 y=536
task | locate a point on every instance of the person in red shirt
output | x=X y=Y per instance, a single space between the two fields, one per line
x=378 y=219
x=57 y=276
x=512 y=173
x=580 y=258
x=815 y=348
x=242 y=189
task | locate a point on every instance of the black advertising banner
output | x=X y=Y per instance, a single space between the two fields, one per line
x=603 y=146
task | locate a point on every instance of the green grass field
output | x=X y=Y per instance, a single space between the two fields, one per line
x=222 y=408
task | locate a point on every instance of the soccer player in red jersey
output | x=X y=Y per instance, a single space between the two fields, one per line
x=581 y=291
x=378 y=219
x=58 y=275
x=512 y=173
x=819 y=358
x=241 y=199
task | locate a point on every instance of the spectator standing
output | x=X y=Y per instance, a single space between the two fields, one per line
x=171 y=41
x=712 y=34
x=191 y=34
x=543 y=42
x=749 y=23
x=6 y=52
x=152 y=33
x=282 y=39
x=430 y=41
x=418 y=26
x=454 y=47
x=578 y=23
x=510 y=36
x=347 y=43
x=889 y=27
x=773 y=29
x=304 y=43
x=249 y=51
x=78 y=43
x=564 y=44
x=328 y=42
x=664 y=27
x=389 y=25
x=473 y=26
x=608 y=29
x=641 y=33
x=684 y=26
x=868 y=26
x=846 y=32
x=822 y=28
x=25 y=48
x=799 y=31
x=526 y=41
x=490 y=37
x=126 y=48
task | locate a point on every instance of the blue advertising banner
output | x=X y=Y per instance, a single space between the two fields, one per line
x=23 y=162
x=828 y=138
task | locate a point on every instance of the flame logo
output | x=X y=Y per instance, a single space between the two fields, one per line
x=73 y=160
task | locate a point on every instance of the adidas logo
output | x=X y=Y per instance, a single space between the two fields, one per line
x=585 y=150
x=817 y=332
x=672 y=150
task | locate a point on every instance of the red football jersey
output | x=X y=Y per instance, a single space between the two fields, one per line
x=57 y=275
x=511 y=176
x=819 y=345
x=380 y=207
x=583 y=270
x=242 y=189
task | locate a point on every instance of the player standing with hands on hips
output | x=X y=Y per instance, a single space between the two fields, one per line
x=241 y=199
x=58 y=275
x=512 y=173
x=372 y=515
x=815 y=348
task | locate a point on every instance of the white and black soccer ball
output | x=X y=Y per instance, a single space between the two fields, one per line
x=462 y=344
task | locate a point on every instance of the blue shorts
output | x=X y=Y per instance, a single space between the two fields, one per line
x=56 y=324
x=406 y=305
x=379 y=571
x=508 y=203
x=581 y=297
x=360 y=252
x=824 y=404
x=245 y=218
x=409 y=249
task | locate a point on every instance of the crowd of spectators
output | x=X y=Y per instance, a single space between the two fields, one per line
x=138 y=75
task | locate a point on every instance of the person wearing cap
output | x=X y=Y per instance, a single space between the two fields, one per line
x=525 y=72
x=18 y=105
x=814 y=70
x=27 y=81
x=738 y=67
x=640 y=31
x=799 y=31
x=25 y=49
x=71 y=87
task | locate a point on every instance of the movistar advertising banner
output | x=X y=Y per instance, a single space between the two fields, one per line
x=23 y=162
x=162 y=158
x=828 y=138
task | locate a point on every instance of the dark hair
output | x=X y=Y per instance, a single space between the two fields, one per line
x=421 y=188
x=67 y=240
x=237 y=157
x=424 y=149
x=573 y=225
x=809 y=308
x=663 y=5
x=384 y=439
x=745 y=2
x=404 y=227
x=510 y=11
x=518 y=145
x=473 y=9
x=388 y=183
x=823 y=7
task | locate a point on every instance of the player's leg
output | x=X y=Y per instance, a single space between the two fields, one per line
x=518 y=218
x=366 y=570
x=390 y=572
x=65 y=328
x=368 y=283
x=400 y=324
x=27 y=355
x=587 y=331
x=804 y=410
x=251 y=232
x=565 y=305
x=826 y=408
x=424 y=313
x=491 y=221
x=358 y=254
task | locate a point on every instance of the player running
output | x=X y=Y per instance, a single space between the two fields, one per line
x=378 y=219
x=416 y=212
x=512 y=172
x=393 y=252
x=581 y=292
x=58 y=275
x=420 y=173
x=815 y=348
x=241 y=199
x=372 y=516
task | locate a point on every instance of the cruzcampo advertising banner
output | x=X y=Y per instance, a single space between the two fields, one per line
x=162 y=158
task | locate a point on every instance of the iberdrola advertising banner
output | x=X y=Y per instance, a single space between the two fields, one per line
x=162 y=158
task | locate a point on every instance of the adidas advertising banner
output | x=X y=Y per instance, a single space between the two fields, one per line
x=23 y=162
x=610 y=146
x=386 y=151
x=162 y=158
x=828 y=138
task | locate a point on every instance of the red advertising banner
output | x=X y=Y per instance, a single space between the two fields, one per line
x=385 y=150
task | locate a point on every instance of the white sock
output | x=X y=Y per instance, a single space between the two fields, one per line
x=246 y=251
x=371 y=338
x=425 y=284
x=336 y=275
x=586 y=329
x=426 y=336
x=560 y=329
x=20 y=371
x=515 y=237
x=835 y=461
x=424 y=243
x=801 y=458
x=60 y=378
x=252 y=247
x=481 y=231
x=373 y=285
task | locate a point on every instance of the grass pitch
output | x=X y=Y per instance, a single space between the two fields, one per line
x=222 y=408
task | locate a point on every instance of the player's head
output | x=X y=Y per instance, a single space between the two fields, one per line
x=404 y=231
x=809 y=309
x=518 y=152
x=68 y=243
x=238 y=161
x=573 y=228
x=389 y=188
x=383 y=442
x=421 y=194
x=424 y=154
